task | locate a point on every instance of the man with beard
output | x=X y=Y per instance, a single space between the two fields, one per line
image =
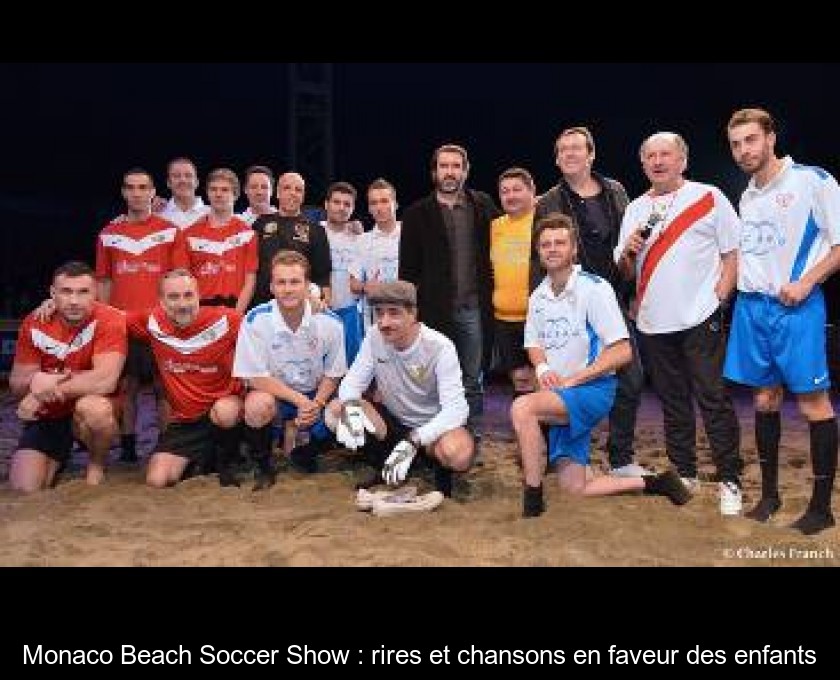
x=789 y=246
x=445 y=252
x=65 y=371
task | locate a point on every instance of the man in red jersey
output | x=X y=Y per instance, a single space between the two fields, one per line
x=222 y=248
x=132 y=253
x=66 y=371
x=193 y=348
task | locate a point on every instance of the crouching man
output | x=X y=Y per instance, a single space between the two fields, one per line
x=193 y=350
x=576 y=338
x=65 y=371
x=423 y=405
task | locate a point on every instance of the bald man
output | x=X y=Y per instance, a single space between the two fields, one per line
x=290 y=229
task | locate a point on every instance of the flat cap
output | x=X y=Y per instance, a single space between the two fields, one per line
x=393 y=293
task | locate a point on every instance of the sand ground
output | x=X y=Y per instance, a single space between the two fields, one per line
x=311 y=519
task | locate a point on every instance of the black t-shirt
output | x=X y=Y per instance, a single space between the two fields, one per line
x=277 y=232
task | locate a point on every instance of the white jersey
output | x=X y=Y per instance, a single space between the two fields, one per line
x=421 y=386
x=574 y=327
x=679 y=265
x=378 y=260
x=249 y=216
x=788 y=226
x=184 y=218
x=268 y=348
x=343 y=252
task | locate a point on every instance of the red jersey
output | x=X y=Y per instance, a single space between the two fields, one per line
x=220 y=257
x=54 y=345
x=134 y=256
x=194 y=363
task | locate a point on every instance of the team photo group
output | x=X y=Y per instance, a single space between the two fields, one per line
x=274 y=335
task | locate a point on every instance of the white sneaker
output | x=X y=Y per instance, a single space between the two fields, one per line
x=398 y=505
x=630 y=470
x=365 y=499
x=691 y=483
x=730 y=499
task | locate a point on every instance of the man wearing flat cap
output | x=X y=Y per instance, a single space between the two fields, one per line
x=423 y=406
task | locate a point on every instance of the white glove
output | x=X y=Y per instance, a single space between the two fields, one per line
x=398 y=463
x=351 y=427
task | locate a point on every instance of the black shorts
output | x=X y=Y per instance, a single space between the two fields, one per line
x=510 y=336
x=192 y=440
x=140 y=362
x=377 y=451
x=53 y=438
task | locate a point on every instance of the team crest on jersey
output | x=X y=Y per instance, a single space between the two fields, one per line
x=557 y=333
x=418 y=372
x=761 y=238
x=785 y=200
x=301 y=232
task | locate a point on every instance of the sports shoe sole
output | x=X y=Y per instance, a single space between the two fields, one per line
x=366 y=499
x=422 y=503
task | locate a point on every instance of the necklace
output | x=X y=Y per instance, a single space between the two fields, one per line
x=660 y=208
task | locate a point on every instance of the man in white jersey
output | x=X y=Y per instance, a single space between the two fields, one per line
x=378 y=252
x=790 y=244
x=344 y=243
x=576 y=338
x=293 y=360
x=423 y=405
x=679 y=239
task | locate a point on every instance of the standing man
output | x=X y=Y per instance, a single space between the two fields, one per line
x=193 y=349
x=445 y=253
x=185 y=207
x=576 y=338
x=790 y=244
x=344 y=251
x=423 y=408
x=66 y=371
x=510 y=251
x=680 y=241
x=596 y=205
x=378 y=253
x=293 y=360
x=290 y=229
x=132 y=253
x=221 y=248
x=259 y=181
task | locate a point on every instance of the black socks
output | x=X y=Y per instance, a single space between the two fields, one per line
x=533 y=504
x=768 y=432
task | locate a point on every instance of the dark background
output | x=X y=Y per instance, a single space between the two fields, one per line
x=70 y=130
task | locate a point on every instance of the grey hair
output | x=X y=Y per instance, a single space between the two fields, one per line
x=669 y=137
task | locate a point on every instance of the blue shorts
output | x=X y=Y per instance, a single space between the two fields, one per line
x=771 y=344
x=354 y=330
x=587 y=405
x=318 y=430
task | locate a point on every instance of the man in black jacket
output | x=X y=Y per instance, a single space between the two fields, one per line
x=445 y=252
x=596 y=205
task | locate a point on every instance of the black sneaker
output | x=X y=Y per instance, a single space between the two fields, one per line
x=813 y=521
x=305 y=458
x=533 y=504
x=764 y=509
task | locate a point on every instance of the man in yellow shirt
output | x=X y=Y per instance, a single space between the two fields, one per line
x=510 y=251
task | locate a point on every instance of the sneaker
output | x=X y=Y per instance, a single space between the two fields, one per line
x=630 y=470
x=398 y=505
x=691 y=483
x=813 y=521
x=366 y=499
x=764 y=509
x=730 y=498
